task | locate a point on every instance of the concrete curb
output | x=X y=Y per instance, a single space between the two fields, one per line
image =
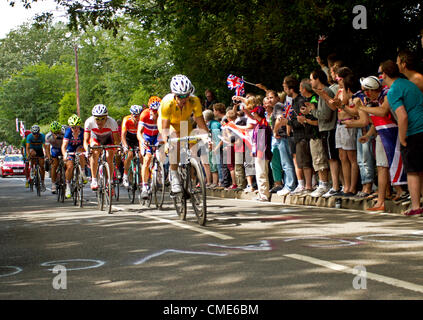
x=347 y=203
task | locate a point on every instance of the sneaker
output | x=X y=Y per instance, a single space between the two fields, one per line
x=94 y=185
x=332 y=192
x=249 y=189
x=261 y=199
x=53 y=188
x=144 y=193
x=298 y=191
x=212 y=186
x=320 y=191
x=68 y=193
x=125 y=181
x=275 y=189
x=283 y=192
x=232 y=187
x=43 y=187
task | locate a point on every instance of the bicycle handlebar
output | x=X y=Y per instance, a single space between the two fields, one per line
x=190 y=138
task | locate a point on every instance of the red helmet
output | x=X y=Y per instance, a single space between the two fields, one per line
x=27 y=132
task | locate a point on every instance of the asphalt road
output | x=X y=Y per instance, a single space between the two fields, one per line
x=247 y=251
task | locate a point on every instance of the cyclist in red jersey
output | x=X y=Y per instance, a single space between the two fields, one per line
x=129 y=139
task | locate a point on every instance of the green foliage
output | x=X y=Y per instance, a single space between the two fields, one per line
x=67 y=107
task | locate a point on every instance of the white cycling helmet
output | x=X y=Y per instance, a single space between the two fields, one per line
x=35 y=129
x=370 y=83
x=99 y=110
x=180 y=84
x=135 y=109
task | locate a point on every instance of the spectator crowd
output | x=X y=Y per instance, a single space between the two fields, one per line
x=331 y=134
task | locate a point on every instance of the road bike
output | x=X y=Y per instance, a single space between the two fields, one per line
x=157 y=180
x=105 y=187
x=77 y=182
x=134 y=176
x=60 y=180
x=35 y=176
x=116 y=180
x=192 y=179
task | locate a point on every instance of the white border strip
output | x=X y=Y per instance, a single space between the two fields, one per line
x=369 y=275
x=187 y=226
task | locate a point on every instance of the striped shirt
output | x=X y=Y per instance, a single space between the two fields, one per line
x=150 y=125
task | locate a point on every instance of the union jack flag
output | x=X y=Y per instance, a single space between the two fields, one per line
x=287 y=110
x=236 y=83
x=321 y=39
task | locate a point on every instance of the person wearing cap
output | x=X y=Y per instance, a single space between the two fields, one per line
x=262 y=152
x=388 y=158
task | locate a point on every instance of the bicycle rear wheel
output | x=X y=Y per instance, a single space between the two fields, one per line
x=197 y=188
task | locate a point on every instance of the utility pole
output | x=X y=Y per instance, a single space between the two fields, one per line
x=77 y=81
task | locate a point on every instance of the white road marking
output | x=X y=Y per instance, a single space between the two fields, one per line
x=151 y=256
x=190 y=227
x=369 y=275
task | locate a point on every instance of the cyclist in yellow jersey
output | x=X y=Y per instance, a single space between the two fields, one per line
x=174 y=120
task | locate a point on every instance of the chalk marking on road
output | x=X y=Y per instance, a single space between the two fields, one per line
x=98 y=263
x=414 y=235
x=12 y=273
x=369 y=275
x=343 y=242
x=264 y=245
x=151 y=256
x=187 y=226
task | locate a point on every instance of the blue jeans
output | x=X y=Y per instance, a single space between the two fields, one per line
x=290 y=179
x=365 y=159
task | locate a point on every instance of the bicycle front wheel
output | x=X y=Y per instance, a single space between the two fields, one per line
x=159 y=185
x=38 y=181
x=197 y=189
x=180 y=199
x=108 y=190
x=80 y=189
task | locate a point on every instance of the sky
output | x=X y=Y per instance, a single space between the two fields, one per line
x=12 y=17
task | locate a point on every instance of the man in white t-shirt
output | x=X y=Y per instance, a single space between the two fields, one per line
x=100 y=129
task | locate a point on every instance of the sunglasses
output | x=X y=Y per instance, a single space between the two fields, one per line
x=100 y=118
x=182 y=96
x=74 y=127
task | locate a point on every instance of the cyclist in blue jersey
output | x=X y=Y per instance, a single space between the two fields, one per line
x=73 y=142
x=35 y=147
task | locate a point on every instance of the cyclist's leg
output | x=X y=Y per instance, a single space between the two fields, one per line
x=69 y=175
x=82 y=162
x=126 y=165
x=94 y=164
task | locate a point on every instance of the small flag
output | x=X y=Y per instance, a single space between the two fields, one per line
x=22 y=129
x=17 y=125
x=288 y=109
x=321 y=39
x=236 y=83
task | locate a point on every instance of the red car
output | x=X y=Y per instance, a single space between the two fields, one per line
x=12 y=165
